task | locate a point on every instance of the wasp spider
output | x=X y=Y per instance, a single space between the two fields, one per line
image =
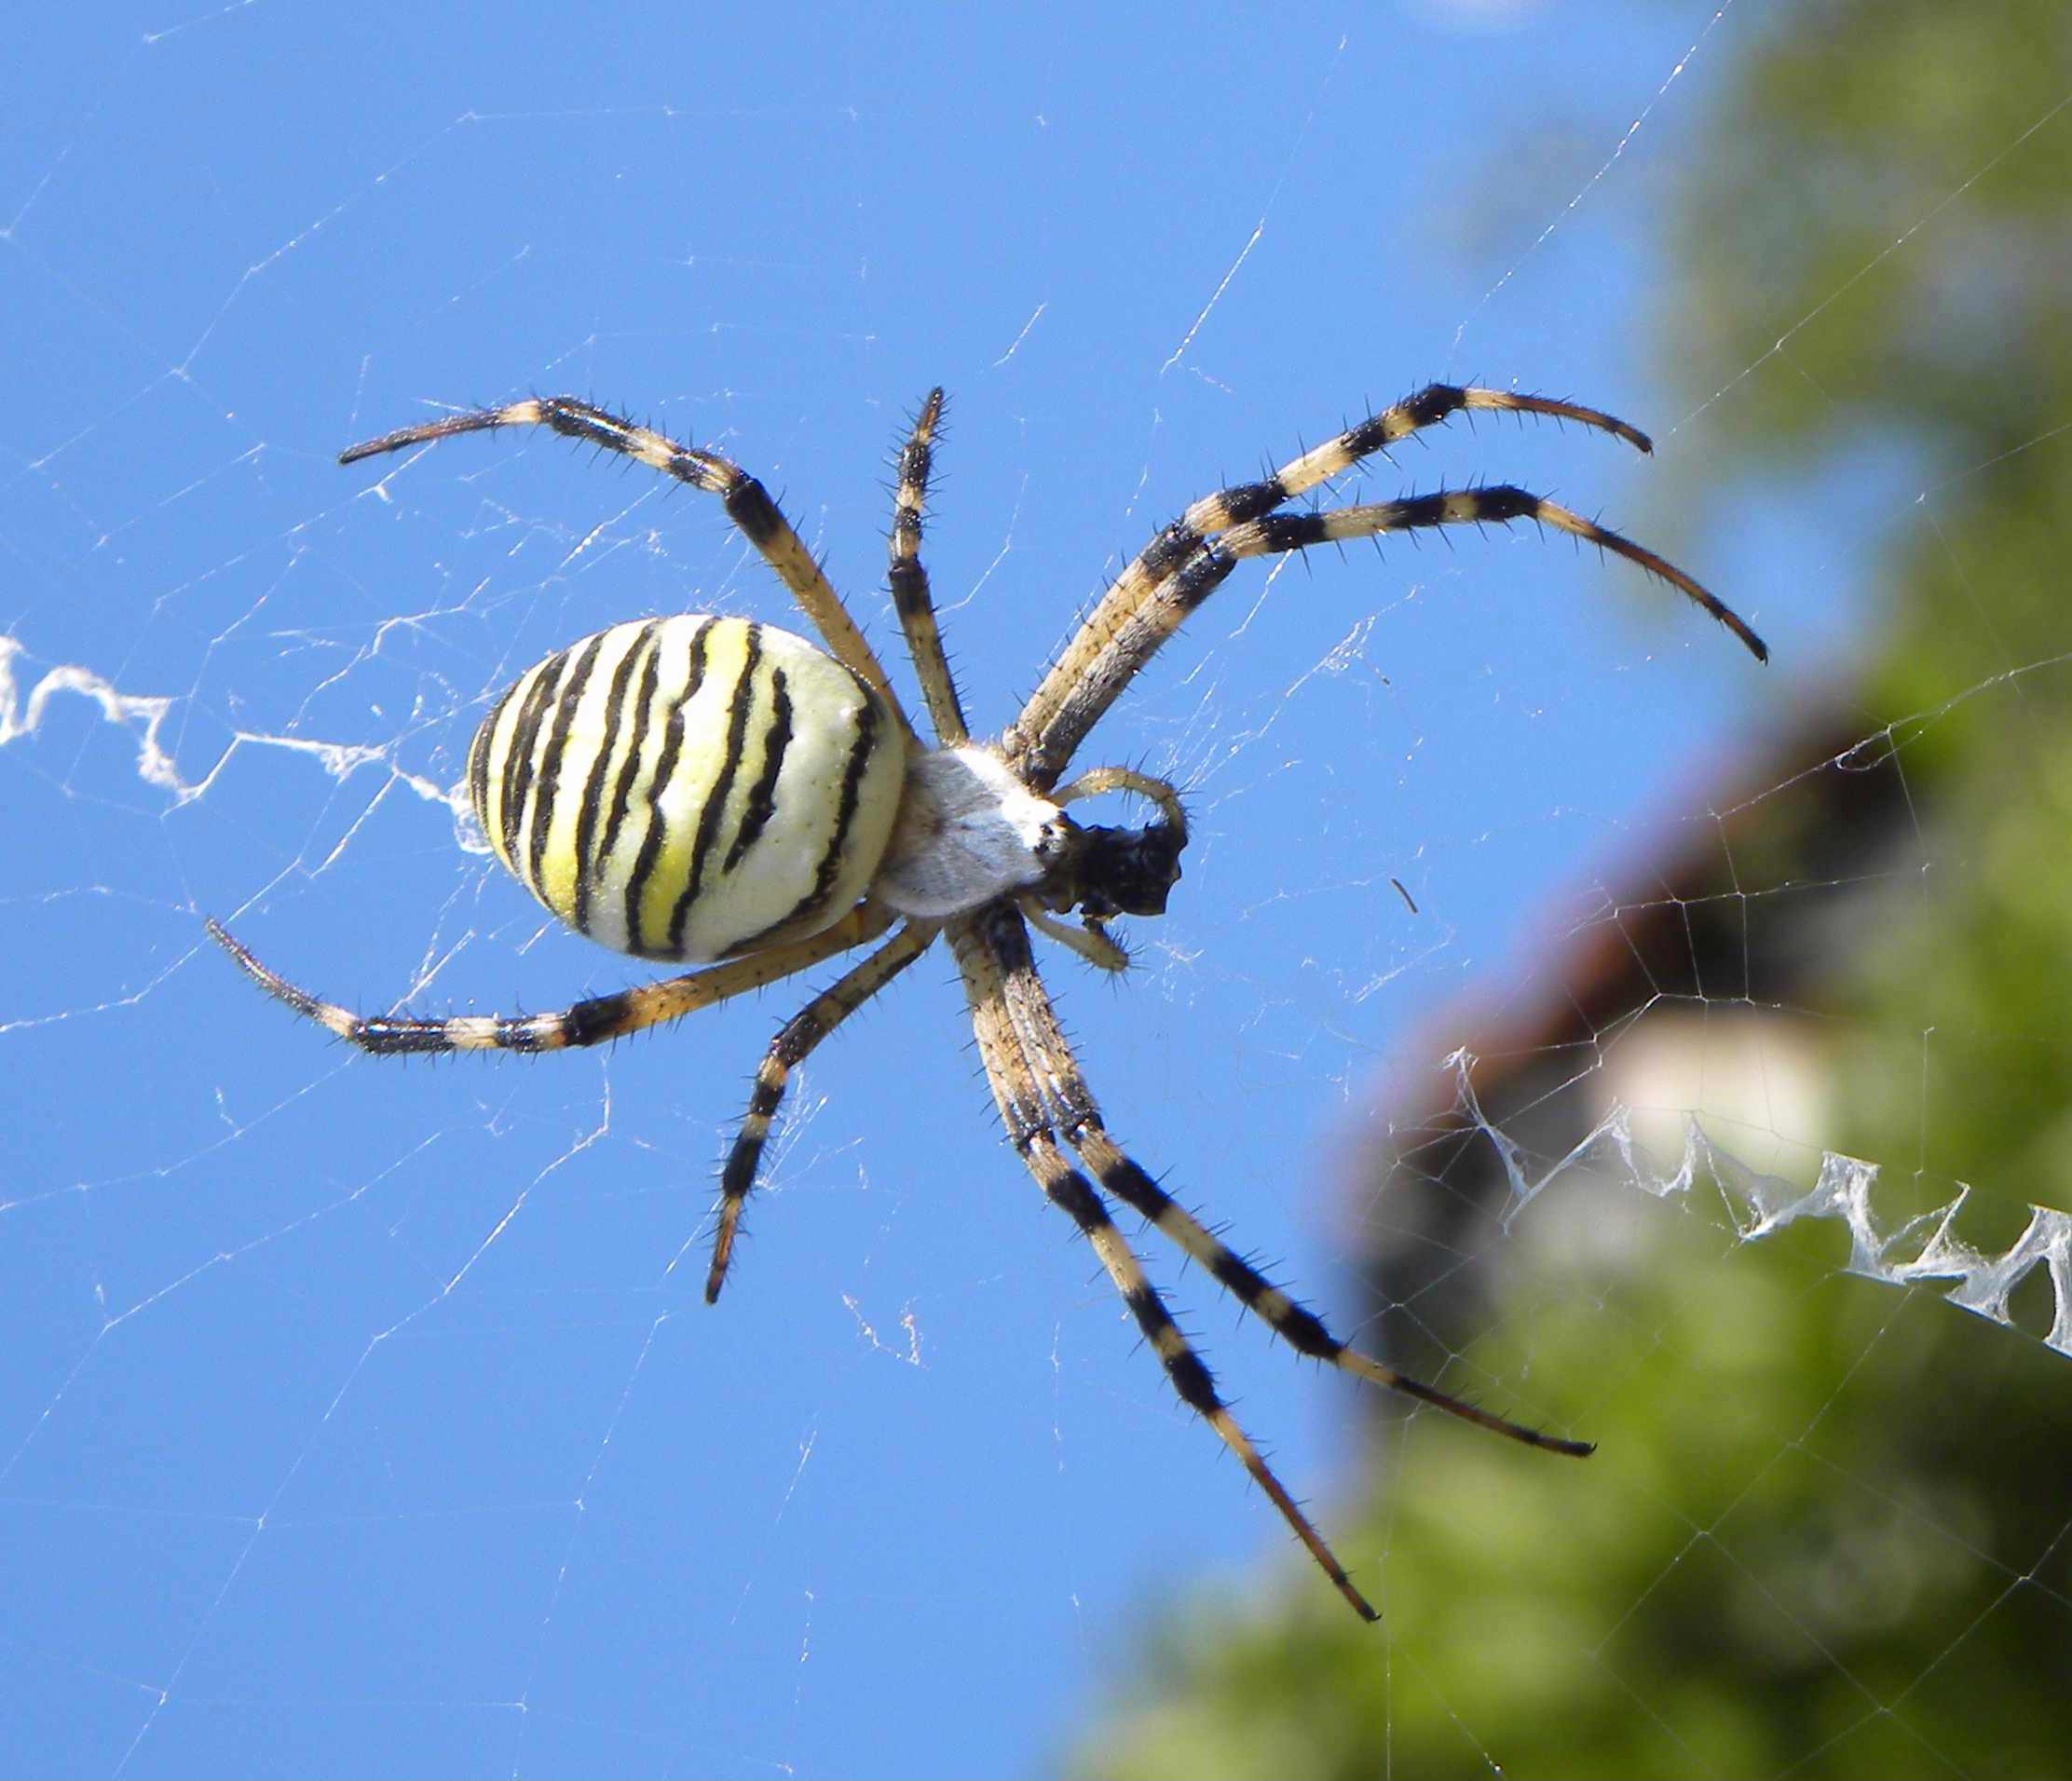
x=712 y=789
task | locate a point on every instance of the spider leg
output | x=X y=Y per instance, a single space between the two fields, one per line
x=1127 y=778
x=912 y=596
x=747 y=502
x=1141 y=635
x=1066 y=1090
x=1014 y=1073
x=1089 y=939
x=592 y=1022
x=1079 y=687
x=793 y=1043
x=1495 y=503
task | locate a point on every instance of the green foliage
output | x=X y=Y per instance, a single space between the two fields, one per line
x=1777 y=1574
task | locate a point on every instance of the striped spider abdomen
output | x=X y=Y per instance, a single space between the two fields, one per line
x=691 y=787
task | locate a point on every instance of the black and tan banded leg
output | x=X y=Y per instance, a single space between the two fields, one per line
x=1140 y=635
x=1079 y=1118
x=793 y=1043
x=912 y=597
x=595 y=1021
x=1075 y=692
x=1020 y=1099
x=747 y=502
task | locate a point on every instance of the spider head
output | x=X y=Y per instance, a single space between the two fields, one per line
x=1122 y=872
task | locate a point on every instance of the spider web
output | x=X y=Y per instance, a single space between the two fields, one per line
x=366 y=1418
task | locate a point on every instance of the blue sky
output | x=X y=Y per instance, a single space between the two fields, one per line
x=358 y=1418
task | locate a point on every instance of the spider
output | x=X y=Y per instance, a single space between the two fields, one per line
x=714 y=790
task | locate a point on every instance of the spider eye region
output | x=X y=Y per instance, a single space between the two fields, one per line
x=1128 y=872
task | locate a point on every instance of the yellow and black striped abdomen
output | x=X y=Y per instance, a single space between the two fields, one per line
x=689 y=787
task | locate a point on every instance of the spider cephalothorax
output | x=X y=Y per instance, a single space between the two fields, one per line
x=707 y=788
